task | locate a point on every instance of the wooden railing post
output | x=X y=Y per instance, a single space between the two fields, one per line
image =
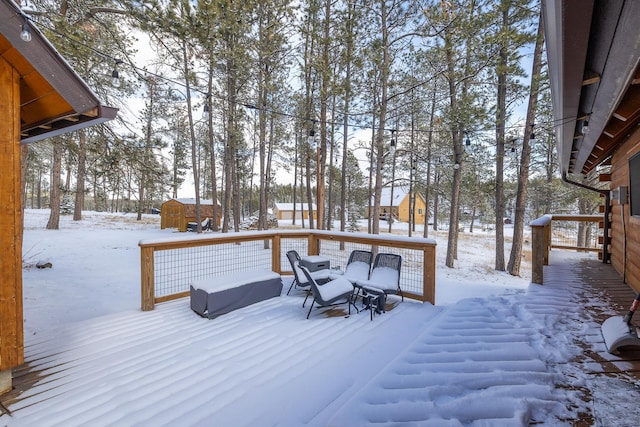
x=147 y=298
x=548 y=234
x=429 y=275
x=312 y=245
x=541 y=241
x=275 y=254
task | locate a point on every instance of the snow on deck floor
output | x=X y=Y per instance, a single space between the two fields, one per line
x=478 y=362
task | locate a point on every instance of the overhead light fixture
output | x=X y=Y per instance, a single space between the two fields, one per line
x=25 y=34
x=585 y=127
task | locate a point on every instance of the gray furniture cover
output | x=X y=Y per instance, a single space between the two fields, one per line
x=218 y=295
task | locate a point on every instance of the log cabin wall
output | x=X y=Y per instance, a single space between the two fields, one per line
x=625 y=236
x=11 y=326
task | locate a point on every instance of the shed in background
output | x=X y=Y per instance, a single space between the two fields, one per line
x=285 y=210
x=178 y=213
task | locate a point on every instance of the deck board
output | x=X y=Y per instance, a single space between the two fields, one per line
x=604 y=294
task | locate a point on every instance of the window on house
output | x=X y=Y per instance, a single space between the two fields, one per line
x=634 y=184
x=419 y=211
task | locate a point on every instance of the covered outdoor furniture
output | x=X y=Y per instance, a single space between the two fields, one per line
x=334 y=292
x=315 y=262
x=358 y=266
x=218 y=295
x=206 y=225
x=300 y=280
x=385 y=275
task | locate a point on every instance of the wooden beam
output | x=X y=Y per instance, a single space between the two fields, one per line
x=590 y=77
x=11 y=318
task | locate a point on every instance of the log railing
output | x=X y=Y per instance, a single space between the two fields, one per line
x=572 y=232
x=168 y=266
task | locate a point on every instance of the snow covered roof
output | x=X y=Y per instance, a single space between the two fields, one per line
x=289 y=206
x=192 y=201
x=399 y=194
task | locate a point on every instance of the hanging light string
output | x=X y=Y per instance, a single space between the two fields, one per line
x=115 y=75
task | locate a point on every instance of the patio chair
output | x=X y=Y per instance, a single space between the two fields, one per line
x=358 y=266
x=300 y=280
x=385 y=275
x=331 y=293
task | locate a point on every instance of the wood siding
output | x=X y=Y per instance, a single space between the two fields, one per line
x=175 y=214
x=625 y=236
x=11 y=326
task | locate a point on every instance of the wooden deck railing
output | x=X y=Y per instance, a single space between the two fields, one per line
x=545 y=237
x=169 y=266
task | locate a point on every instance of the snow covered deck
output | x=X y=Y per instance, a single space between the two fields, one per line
x=508 y=360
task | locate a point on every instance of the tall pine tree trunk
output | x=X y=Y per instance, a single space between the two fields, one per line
x=54 y=215
x=501 y=117
x=515 y=257
x=80 y=176
x=456 y=135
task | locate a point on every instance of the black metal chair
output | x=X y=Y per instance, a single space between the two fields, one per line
x=330 y=293
x=299 y=279
x=358 y=266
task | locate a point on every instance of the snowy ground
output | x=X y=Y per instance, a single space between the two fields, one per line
x=491 y=352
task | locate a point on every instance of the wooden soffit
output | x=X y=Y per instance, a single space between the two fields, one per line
x=593 y=50
x=53 y=98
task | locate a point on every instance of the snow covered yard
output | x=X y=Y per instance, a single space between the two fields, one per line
x=488 y=353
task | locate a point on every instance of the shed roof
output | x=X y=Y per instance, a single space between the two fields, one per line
x=53 y=98
x=593 y=50
x=192 y=201
x=299 y=206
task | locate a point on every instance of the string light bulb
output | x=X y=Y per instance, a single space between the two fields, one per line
x=25 y=34
x=206 y=110
x=312 y=134
x=115 y=75
x=392 y=143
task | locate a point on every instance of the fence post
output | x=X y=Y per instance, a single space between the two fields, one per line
x=548 y=234
x=147 y=283
x=275 y=254
x=540 y=243
x=429 y=275
x=313 y=248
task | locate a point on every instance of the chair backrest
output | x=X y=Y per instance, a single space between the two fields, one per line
x=362 y=256
x=386 y=268
x=293 y=257
x=306 y=274
x=331 y=291
x=359 y=265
